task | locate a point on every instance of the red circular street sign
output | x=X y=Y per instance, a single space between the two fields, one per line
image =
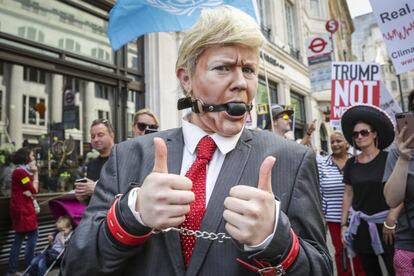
x=332 y=25
x=317 y=45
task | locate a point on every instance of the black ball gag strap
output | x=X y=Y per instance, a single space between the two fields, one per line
x=232 y=108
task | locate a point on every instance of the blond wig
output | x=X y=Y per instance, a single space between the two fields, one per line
x=218 y=27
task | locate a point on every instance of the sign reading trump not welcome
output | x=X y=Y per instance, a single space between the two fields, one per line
x=396 y=20
x=353 y=83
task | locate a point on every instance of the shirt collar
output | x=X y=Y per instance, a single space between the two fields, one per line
x=193 y=134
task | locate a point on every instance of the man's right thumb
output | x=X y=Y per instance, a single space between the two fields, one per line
x=160 y=159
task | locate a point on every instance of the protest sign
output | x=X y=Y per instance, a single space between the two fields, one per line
x=388 y=103
x=396 y=22
x=353 y=83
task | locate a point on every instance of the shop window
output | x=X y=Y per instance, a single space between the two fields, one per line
x=69 y=44
x=32 y=110
x=34 y=75
x=42 y=120
x=132 y=96
x=315 y=8
x=102 y=91
x=394 y=85
x=31 y=34
x=404 y=84
x=262 y=97
x=102 y=114
x=72 y=84
x=134 y=57
x=265 y=24
x=101 y=54
x=298 y=105
x=291 y=24
x=30 y=114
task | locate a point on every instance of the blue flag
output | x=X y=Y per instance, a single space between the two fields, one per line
x=129 y=19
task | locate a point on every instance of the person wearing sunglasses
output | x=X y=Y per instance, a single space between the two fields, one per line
x=281 y=119
x=145 y=122
x=102 y=139
x=370 y=231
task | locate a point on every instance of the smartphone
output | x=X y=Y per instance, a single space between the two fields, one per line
x=406 y=119
x=82 y=180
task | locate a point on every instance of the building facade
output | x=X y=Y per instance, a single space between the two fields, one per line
x=316 y=15
x=58 y=72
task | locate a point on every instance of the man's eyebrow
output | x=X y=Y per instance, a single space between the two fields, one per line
x=233 y=62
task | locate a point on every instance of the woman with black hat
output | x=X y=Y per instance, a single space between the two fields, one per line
x=370 y=130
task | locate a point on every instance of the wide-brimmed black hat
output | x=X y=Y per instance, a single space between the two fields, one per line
x=278 y=110
x=374 y=116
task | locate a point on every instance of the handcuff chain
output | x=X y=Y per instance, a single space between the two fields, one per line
x=219 y=237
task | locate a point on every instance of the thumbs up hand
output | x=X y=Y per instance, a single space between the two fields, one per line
x=250 y=212
x=163 y=199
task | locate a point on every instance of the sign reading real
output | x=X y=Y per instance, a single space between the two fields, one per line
x=396 y=21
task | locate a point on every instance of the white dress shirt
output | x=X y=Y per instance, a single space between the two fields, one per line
x=192 y=136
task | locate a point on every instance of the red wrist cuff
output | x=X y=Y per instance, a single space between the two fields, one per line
x=119 y=233
x=265 y=268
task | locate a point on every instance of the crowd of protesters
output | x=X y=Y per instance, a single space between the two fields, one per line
x=142 y=188
x=365 y=221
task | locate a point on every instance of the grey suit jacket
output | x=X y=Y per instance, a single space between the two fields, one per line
x=93 y=251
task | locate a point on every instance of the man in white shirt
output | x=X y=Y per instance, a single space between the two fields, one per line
x=207 y=198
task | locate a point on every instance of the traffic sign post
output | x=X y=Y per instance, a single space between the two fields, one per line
x=332 y=25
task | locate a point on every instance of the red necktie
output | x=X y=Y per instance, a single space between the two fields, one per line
x=197 y=173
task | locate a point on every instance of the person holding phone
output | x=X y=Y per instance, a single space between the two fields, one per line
x=399 y=188
x=102 y=140
x=145 y=122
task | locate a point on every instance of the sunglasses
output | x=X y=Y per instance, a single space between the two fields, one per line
x=143 y=126
x=284 y=117
x=363 y=132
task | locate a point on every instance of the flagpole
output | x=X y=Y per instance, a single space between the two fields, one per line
x=269 y=102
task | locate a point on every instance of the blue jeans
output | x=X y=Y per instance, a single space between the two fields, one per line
x=38 y=265
x=41 y=262
x=17 y=244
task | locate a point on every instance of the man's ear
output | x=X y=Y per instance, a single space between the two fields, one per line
x=185 y=80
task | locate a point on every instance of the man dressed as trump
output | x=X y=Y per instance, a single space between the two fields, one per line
x=211 y=197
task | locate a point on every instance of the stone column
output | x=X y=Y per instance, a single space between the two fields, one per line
x=16 y=105
x=88 y=108
x=56 y=98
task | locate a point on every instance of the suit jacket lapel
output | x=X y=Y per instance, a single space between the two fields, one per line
x=175 y=144
x=230 y=173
